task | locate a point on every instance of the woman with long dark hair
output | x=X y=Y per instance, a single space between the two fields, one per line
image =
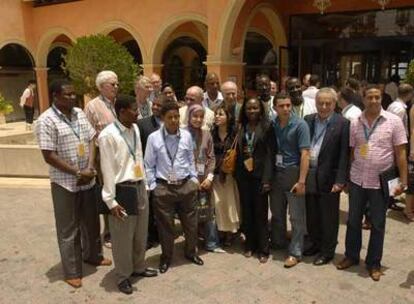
x=225 y=196
x=254 y=168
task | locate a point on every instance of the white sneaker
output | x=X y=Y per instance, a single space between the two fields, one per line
x=218 y=250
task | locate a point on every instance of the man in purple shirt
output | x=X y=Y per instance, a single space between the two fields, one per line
x=377 y=138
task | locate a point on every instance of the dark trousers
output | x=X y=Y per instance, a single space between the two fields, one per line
x=322 y=211
x=167 y=200
x=358 y=198
x=152 y=225
x=254 y=207
x=77 y=227
x=28 y=113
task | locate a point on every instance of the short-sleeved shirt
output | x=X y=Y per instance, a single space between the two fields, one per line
x=54 y=134
x=388 y=133
x=291 y=139
x=100 y=113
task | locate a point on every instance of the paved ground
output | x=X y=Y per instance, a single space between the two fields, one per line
x=30 y=271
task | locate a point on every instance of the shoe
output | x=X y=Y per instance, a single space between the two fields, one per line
x=291 y=261
x=248 y=254
x=103 y=262
x=195 y=259
x=75 y=283
x=321 y=260
x=375 y=274
x=345 y=263
x=125 y=287
x=163 y=267
x=147 y=273
x=217 y=250
x=263 y=259
x=311 y=251
x=107 y=241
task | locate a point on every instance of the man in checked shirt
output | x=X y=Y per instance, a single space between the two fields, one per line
x=66 y=139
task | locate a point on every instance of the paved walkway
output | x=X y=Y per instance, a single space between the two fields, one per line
x=30 y=271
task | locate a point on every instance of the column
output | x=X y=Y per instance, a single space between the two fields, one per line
x=42 y=88
x=150 y=68
x=227 y=70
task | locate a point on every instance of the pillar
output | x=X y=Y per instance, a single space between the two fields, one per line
x=42 y=88
x=150 y=68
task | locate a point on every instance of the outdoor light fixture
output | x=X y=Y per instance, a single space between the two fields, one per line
x=382 y=3
x=322 y=5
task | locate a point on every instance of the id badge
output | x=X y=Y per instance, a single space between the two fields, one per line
x=172 y=178
x=363 y=150
x=81 y=149
x=138 y=171
x=279 y=160
x=248 y=164
x=200 y=167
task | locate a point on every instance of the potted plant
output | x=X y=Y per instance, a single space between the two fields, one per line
x=5 y=109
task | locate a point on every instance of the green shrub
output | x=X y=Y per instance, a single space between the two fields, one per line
x=6 y=107
x=91 y=54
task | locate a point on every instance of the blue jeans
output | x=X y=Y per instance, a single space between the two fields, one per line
x=211 y=237
x=358 y=198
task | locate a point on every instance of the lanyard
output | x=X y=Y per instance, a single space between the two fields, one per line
x=131 y=149
x=109 y=106
x=170 y=156
x=368 y=132
x=68 y=122
x=250 y=140
x=317 y=137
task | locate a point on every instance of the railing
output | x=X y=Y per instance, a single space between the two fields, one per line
x=37 y=3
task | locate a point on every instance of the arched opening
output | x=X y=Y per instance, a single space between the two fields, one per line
x=16 y=69
x=183 y=64
x=124 y=38
x=260 y=57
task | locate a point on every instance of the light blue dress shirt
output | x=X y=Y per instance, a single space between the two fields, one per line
x=158 y=163
x=317 y=139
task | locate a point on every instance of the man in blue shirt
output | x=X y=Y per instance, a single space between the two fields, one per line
x=288 y=188
x=172 y=178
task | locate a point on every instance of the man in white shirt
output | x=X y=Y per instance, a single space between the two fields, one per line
x=313 y=88
x=27 y=103
x=194 y=95
x=124 y=192
x=212 y=96
x=399 y=106
x=345 y=102
x=301 y=106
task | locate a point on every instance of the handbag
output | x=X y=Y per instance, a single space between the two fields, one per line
x=204 y=209
x=228 y=164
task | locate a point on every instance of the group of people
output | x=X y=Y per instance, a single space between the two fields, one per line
x=147 y=159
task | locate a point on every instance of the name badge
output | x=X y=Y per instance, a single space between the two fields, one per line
x=138 y=171
x=363 y=150
x=81 y=149
x=200 y=167
x=279 y=160
x=248 y=164
x=313 y=156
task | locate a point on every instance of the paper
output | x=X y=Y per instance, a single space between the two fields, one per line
x=393 y=184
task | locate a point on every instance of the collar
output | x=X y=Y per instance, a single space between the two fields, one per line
x=363 y=119
x=326 y=121
x=292 y=119
x=347 y=108
x=123 y=128
x=59 y=113
x=402 y=102
x=219 y=97
x=165 y=133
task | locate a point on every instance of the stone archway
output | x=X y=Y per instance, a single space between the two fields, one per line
x=16 y=69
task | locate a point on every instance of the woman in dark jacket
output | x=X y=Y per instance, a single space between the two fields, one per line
x=254 y=166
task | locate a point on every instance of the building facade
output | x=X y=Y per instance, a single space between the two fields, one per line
x=184 y=39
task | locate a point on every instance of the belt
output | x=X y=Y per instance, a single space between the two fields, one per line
x=129 y=183
x=175 y=183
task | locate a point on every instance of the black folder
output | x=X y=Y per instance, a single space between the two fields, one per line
x=385 y=177
x=126 y=196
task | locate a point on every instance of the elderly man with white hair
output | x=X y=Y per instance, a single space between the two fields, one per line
x=195 y=95
x=156 y=82
x=100 y=111
x=327 y=175
x=229 y=92
x=143 y=91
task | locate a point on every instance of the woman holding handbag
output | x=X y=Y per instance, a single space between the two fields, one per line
x=204 y=164
x=225 y=196
x=254 y=168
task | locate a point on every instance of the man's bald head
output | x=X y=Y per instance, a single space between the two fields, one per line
x=194 y=95
x=156 y=82
x=229 y=91
x=212 y=84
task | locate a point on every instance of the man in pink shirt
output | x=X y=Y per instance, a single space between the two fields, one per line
x=377 y=138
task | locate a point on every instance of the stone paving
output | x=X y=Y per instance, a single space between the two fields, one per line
x=30 y=270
